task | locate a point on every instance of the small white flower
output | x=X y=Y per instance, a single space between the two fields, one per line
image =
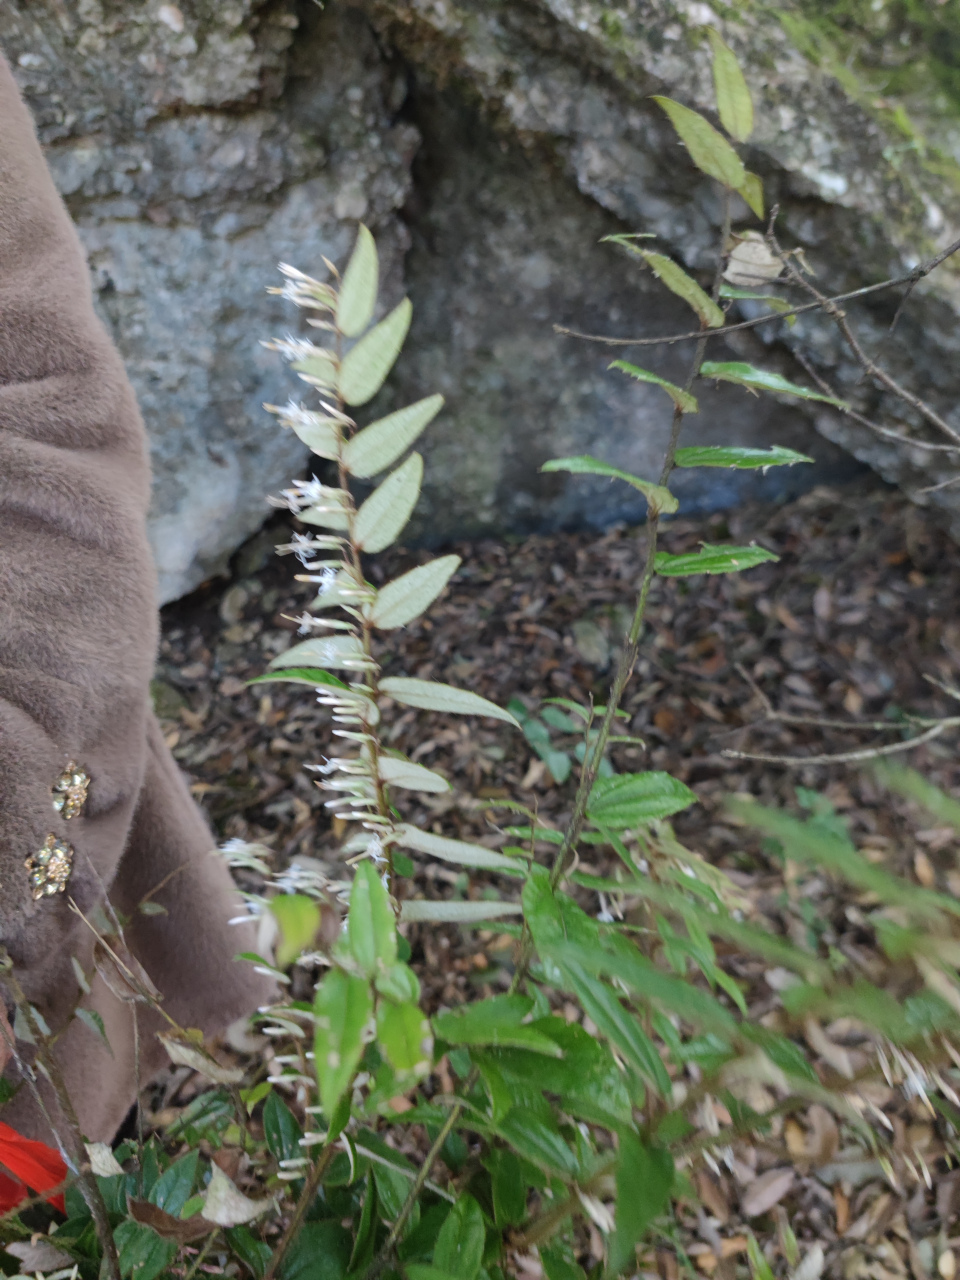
x=375 y=850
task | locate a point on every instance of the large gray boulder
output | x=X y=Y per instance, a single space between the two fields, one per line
x=489 y=145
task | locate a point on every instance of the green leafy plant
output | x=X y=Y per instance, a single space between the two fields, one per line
x=529 y=1128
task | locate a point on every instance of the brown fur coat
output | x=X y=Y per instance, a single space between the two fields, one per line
x=78 y=631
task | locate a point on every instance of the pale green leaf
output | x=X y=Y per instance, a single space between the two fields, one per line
x=659 y=498
x=319 y=434
x=342 y=1009
x=678 y=282
x=711 y=560
x=380 y=444
x=318 y=369
x=371 y=924
x=709 y=150
x=385 y=513
x=752 y=192
x=299 y=675
x=321 y=651
x=629 y=799
x=496 y=1021
x=330 y=512
x=682 y=399
x=780 y=305
x=299 y=919
x=458 y=852
x=740 y=459
x=429 y=696
x=405 y=1037
x=414 y=910
x=734 y=105
x=366 y=365
x=404 y=599
x=358 y=289
x=746 y=375
x=414 y=777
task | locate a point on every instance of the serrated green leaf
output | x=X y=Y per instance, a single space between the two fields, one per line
x=364 y=368
x=380 y=444
x=415 y=910
x=745 y=375
x=508 y=1187
x=399 y=772
x=404 y=1034
x=533 y=1133
x=678 y=282
x=371 y=924
x=644 y=1181
x=342 y=1009
x=358 y=288
x=752 y=192
x=320 y=651
x=711 y=560
x=300 y=675
x=299 y=919
x=740 y=459
x=682 y=399
x=428 y=695
x=460 y=1244
x=496 y=1021
x=658 y=498
x=734 y=104
x=385 y=513
x=458 y=852
x=709 y=150
x=630 y=799
x=406 y=597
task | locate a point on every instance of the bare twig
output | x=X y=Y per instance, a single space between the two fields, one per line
x=850 y=757
x=818 y=722
x=911 y=279
x=310 y=1188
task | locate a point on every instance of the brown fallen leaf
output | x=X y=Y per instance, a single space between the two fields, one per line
x=123 y=973
x=764 y=1192
x=184 y=1231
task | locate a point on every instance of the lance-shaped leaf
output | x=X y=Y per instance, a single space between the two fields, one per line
x=331 y=512
x=371 y=924
x=780 y=305
x=752 y=192
x=321 y=651
x=380 y=444
x=739 y=459
x=366 y=365
x=405 y=1036
x=658 y=498
x=734 y=105
x=404 y=599
x=460 y=1243
x=342 y=1009
x=384 y=514
x=300 y=675
x=746 y=375
x=682 y=399
x=644 y=1182
x=630 y=799
x=711 y=560
x=429 y=696
x=414 y=777
x=299 y=919
x=678 y=282
x=709 y=150
x=414 y=910
x=497 y=1021
x=358 y=289
x=458 y=852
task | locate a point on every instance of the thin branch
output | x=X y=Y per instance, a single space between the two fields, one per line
x=911 y=279
x=849 y=757
x=310 y=1188
x=787 y=717
x=885 y=432
x=935 y=488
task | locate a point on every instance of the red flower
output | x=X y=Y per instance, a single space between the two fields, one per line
x=35 y=1166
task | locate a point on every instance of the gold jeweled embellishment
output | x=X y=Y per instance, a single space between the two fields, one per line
x=50 y=868
x=70 y=790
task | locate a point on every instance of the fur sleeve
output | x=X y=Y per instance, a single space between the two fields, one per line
x=77 y=591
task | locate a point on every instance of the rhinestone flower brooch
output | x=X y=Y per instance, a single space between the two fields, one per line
x=50 y=867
